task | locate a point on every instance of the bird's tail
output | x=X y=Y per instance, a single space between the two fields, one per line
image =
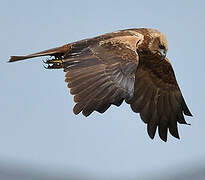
x=57 y=52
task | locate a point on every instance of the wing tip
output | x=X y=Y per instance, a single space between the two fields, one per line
x=163 y=138
x=162 y=134
x=188 y=113
x=151 y=135
x=175 y=135
x=185 y=108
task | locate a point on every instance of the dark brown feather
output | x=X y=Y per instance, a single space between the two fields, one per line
x=163 y=127
x=146 y=112
x=152 y=124
x=99 y=77
x=173 y=129
x=167 y=105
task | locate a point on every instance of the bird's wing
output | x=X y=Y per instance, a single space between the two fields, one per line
x=158 y=99
x=100 y=73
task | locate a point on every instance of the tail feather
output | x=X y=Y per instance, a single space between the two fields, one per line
x=59 y=51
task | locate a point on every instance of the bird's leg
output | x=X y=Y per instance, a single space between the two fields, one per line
x=55 y=63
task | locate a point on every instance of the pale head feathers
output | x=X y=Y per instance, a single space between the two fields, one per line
x=157 y=34
x=142 y=40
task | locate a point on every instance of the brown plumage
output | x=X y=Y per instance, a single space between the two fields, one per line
x=128 y=65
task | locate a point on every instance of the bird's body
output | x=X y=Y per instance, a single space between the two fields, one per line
x=128 y=65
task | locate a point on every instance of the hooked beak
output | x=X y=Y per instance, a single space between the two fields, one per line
x=163 y=53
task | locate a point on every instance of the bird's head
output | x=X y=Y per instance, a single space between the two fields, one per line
x=155 y=44
x=158 y=44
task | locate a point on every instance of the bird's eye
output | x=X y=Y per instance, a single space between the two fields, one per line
x=161 y=46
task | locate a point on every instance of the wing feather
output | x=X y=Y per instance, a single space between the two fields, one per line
x=102 y=72
x=162 y=105
x=98 y=75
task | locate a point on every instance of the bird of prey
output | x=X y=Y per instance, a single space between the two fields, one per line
x=128 y=65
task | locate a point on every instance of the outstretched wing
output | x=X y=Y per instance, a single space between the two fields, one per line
x=100 y=73
x=158 y=98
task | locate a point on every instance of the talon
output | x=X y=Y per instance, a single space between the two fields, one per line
x=46 y=67
x=43 y=62
x=53 y=64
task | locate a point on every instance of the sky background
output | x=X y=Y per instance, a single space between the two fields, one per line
x=38 y=131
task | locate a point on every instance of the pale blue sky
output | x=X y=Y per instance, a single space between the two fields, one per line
x=38 y=127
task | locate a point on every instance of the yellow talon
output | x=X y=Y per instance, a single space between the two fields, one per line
x=54 y=64
x=53 y=61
